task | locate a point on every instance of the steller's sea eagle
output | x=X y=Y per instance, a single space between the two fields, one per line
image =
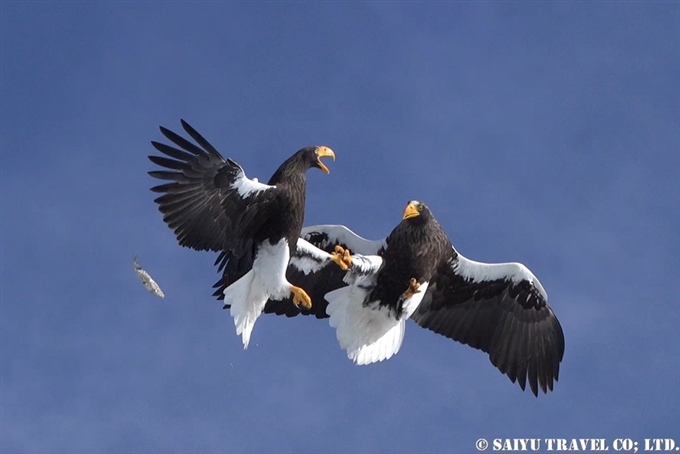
x=415 y=272
x=212 y=205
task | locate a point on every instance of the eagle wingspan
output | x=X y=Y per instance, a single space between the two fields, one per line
x=501 y=309
x=204 y=203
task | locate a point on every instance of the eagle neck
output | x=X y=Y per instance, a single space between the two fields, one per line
x=291 y=180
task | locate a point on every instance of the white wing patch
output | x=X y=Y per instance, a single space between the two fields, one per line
x=247 y=187
x=308 y=258
x=146 y=279
x=363 y=266
x=341 y=234
x=481 y=272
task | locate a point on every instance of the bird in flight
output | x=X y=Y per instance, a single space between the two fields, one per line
x=415 y=272
x=211 y=204
x=366 y=288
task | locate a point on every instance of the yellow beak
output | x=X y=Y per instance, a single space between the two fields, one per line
x=324 y=152
x=410 y=211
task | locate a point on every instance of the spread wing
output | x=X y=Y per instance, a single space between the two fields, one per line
x=326 y=237
x=501 y=309
x=209 y=200
x=309 y=268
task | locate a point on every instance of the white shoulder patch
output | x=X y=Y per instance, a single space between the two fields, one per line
x=482 y=272
x=247 y=187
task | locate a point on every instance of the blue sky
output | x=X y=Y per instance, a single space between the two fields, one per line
x=544 y=133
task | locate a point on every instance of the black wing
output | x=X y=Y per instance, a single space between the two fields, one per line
x=309 y=267
x=500 y=309
x=206 y=202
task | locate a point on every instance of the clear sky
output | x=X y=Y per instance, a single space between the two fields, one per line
x=544 y=133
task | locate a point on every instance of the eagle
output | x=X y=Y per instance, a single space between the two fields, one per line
x=211 y=205
x=415 y=272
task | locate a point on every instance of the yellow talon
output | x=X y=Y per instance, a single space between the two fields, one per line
x=342 y=257
x=300 y=298
x=413 y=288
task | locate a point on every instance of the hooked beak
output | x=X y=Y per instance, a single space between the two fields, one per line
x=410 y=211
x=324 y=152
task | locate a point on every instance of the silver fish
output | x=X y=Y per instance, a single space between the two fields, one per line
x=146 y=279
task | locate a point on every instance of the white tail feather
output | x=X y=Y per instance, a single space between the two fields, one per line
x=267 y=279
x=382 y=349
x=369 y=334
x=247 y=303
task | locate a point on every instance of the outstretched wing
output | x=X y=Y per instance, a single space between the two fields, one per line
x=326 y=237
x=500 y=309
x=309 y=268
x=208 y=197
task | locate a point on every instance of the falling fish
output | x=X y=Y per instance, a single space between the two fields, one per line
x=148 y=282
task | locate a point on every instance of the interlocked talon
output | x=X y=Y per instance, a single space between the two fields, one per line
x=342 y=257
x=300 y=298
x=413 y=288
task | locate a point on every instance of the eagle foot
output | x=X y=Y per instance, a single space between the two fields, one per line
x=300 y=298
x=413 y=288
x=342 y=257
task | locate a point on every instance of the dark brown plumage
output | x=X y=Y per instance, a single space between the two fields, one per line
x=211 y=204
x=501 y=309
